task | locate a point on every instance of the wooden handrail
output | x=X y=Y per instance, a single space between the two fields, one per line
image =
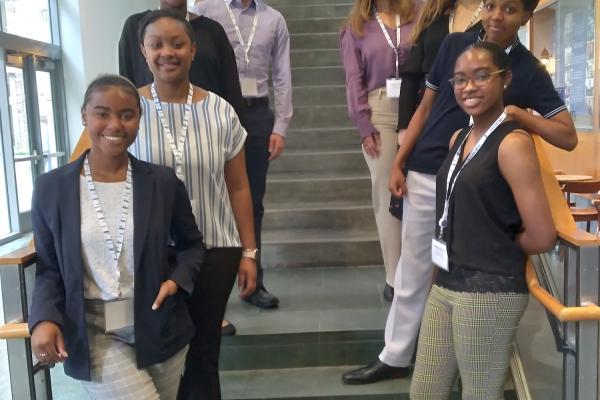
x=19 y=256
x=552 y=304
x=561 y=214
x=14 y=331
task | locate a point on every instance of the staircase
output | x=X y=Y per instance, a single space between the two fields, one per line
x=318 y=210
x=320 y=248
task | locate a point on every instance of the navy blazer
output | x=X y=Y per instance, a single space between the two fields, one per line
x=162 y=215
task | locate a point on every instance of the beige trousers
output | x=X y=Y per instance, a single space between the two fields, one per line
x=384 y=116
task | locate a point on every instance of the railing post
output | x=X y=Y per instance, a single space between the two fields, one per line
x=587 y=331
x=17 y=350
x=570 y=359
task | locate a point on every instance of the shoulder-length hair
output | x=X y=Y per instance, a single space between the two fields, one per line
x=432 y=10
x=363 y=10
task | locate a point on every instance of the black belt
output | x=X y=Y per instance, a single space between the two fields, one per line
x=256 y=101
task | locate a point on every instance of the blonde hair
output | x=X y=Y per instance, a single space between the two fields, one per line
x=364 y=9
x=431 y=11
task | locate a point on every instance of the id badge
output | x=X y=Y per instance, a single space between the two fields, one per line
x=249 y=87
x=392 y=87
x=118 y=314
x=439 y=254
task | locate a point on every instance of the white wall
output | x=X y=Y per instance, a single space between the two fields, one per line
x=90 y=31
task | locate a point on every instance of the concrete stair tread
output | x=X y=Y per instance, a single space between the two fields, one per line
x=318 y=383
x=317 y=236
x=323 y=304
x=303 y=177
x=328 y=152
x=337 y=205
x=305 y=383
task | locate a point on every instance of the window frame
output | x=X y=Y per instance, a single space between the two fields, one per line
x=34 y=55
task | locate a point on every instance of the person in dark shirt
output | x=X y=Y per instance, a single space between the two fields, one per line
x=213 y=68
x=438 y=19
x=432 y=28
x=492 y=211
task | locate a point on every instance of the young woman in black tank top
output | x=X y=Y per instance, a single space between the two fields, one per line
x=496 y=214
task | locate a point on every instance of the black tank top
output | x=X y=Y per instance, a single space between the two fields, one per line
x=483 y=221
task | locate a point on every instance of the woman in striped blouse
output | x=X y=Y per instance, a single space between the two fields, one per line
x=199 y=134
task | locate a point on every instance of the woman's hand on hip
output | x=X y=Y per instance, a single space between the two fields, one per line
x=167 y=288
x=47 y=343
x=247 y=277
x=372 y=145
x=397 y=183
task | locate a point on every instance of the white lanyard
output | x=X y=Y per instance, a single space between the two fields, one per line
x=473 y=19
x=245 y=46
x=450 y=183
x=177 y=149
x=113 y=247
x=396 y=48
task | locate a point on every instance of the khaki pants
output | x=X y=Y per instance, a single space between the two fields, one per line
x=384 y=117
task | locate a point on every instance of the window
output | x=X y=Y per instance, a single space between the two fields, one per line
x=32 y=120
x=30 y=19
x=563 y=35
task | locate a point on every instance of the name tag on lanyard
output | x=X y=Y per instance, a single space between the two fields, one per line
x=392 y=87
x=118 y=315
x=439 y=254
x=249 y=87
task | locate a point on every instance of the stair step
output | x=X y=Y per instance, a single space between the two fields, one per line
x=319 y=383
x=301 y=350
x=320 y=95
x=323 y=57
x=329 y=218
x=301 y=248
x=323 y=139
x=330 y=205
x=334 y=116
x=337 y=161
x=327 y=316
x=306 y=188
x=311 y=40
x=303 y=76
x=315 y=25
x=319 y=10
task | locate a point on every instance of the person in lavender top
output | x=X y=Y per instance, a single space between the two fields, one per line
x=375 y=42
x=261 y=42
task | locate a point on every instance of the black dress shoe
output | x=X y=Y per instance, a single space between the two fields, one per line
x=262 y=299
x=374 y=372
x=388 y=292
x=228 y=330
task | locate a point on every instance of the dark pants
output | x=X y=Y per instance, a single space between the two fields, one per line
x=207 y=304
x=259 y=125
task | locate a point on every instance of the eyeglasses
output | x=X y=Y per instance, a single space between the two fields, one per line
x=479 y=80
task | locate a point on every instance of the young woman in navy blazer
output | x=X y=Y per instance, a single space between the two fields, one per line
x=162 y=256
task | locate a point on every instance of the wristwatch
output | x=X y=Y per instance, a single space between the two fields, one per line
x=249 y=253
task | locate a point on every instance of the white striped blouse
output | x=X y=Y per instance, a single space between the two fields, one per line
x=215 y=136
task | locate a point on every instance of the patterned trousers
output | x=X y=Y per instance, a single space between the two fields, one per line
x=470 y=334
x=115 y=375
